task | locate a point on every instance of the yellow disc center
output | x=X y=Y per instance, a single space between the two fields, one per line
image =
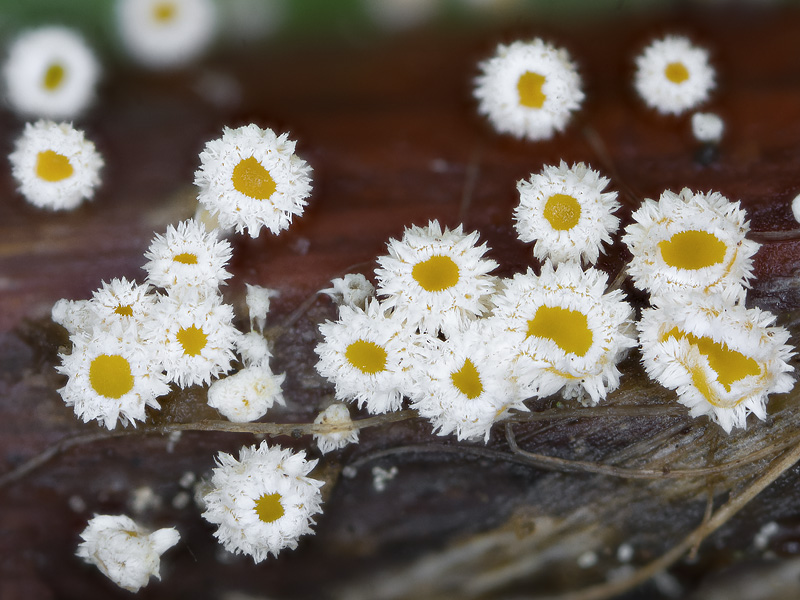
x=269 y=508
x=467 y=380
x=562 y=212
x=529 y=87
x=124 y=310
x=192 y=339
x=729 y=365
x=110 y=376
x=185 y=258
x=367 y=357
x=53 y=77
x=692 y=250
x=253 y=180
x=163 y=12
x=676 y=72
x=567 y=328
x=52 y=166
x=436 y=274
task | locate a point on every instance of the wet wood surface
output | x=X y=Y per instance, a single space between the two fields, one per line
x=392 y=133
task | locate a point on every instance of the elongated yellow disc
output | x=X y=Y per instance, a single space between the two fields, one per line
x=692 y=250
x=530 y=91
x=729 y=365
x=367 y=357
x=567 y=328
x=53 y=77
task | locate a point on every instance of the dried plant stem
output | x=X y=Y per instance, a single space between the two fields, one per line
x=599 y=147
x=608 y=590
x=553 y=463
x=775 y=236
x=470 y=181
x=58 y=448
x=288 y=429
x=517 y=454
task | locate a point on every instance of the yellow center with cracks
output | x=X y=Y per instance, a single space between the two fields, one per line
x=185 y=258
x=467 y=380
x=529 y=87
x=692 y=250
x=436 y=274
x=269 y=508
x=192 y=339
x=253 y=180
x=163 y=12
x=110 y=376
x=367 y=357
x=729 y=365
x=567 y=328
x=52 y=166
x=562 y=212
x=53 y=77
x=676 y=72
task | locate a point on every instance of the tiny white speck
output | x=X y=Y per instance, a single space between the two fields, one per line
x=173 y=440
x=761 y=539
x=439 y=165
x=143 y=499
x=668 y=585
x=381 y=476
x=76 y=504
x=181 y=500
x=187 y=480
x=624 y=553
x=587 y=560
x=301 y=246
x=349 y=472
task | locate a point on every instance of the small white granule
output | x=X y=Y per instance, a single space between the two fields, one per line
x=381 y=476
x=336 y=415
x=187 y=480
x=587 y=560
x=144 y=499
x=124 y=552
x=257 y=299
x=624 y=553
x=761 y=539
x=172 y=441
x=668 y=585
x=707 y=127
x=76 y=504
x=181 y=500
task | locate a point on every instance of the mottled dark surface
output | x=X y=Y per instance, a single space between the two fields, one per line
x=391 y=131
